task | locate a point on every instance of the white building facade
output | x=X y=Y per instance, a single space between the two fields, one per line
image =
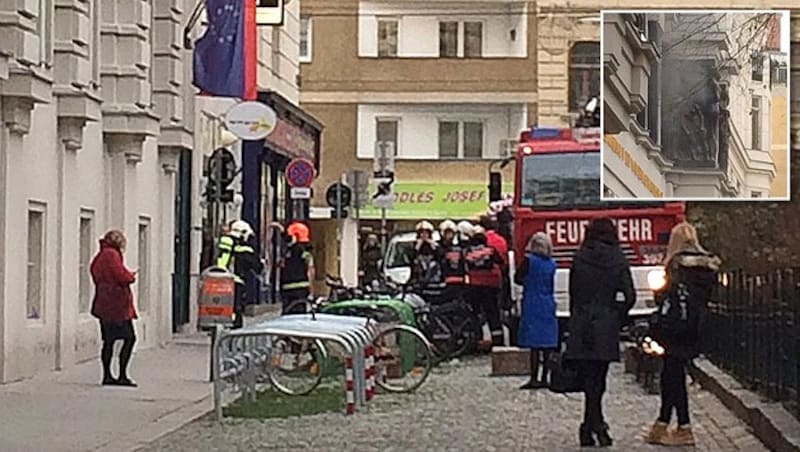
x=96 y=108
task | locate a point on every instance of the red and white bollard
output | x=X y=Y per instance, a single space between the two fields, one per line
x=350 y=384
x=369 y=371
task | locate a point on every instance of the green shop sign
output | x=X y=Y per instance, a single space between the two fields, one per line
x=421 y=200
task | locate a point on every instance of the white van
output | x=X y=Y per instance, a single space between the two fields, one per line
x=396 y=264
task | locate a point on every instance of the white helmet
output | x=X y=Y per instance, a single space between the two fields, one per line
x=424 y=226
x=478 y=230
x=465 y=228
x=241 y=229
x=447 y=225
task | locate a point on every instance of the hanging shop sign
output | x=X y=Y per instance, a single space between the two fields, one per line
x=292 y=140
x=251 y=120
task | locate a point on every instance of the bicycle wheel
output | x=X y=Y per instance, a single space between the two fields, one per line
x=299 y=306
x=296 y=366
x=403 y=359
x=441 y=334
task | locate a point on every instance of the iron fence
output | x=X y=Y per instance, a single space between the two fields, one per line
x=754 y=332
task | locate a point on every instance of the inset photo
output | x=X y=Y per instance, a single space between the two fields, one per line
x=695 y=105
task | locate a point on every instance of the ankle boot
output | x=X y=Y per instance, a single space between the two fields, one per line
x=585 y=436
x=603 y=436
x=682 y=436
x=657 y=433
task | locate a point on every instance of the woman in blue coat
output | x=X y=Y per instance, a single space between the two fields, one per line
x=539 y=325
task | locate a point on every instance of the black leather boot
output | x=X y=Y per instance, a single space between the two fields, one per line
x=603 y=436
x=585 y=435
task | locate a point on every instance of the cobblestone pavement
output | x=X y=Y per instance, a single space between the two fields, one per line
x=462 y=408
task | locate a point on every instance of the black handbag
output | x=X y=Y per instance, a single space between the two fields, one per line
x=564 y=376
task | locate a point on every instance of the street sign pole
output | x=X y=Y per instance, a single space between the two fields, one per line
x=339 y=227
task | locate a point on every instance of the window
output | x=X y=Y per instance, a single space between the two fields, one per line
x=758 y=67
x=85 y=241
x=648 y=118
x=778 y=74
x=276 y=51
x=387 y=38
x=755 y=126
x=755 y=194
x=143 y=276
x=453 y=34
x=448 y=39
x=34 y=295
x=460 y=139
x=561 y=180
x=386 y=131
x=305 y=39
x=584 y=73
x=473 y=39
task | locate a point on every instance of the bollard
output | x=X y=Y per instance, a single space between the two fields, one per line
x=351 y=400
x=369 y=371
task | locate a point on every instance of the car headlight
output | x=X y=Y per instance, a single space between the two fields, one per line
x=657 y=279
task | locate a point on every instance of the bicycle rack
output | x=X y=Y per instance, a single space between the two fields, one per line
x=238 y=353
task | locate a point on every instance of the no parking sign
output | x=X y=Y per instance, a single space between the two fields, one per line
x=300 y=173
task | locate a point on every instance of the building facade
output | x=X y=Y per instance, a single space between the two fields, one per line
x=780 y=133
x=449 y=85
x=262 y=195
x=96 y=109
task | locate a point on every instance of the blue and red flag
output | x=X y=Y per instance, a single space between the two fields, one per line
x=225 y=58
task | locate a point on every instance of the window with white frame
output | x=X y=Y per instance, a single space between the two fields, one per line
x=461 y=139
x=387 y=37
x=305 y=38
x=460 y=39
x=143 y=276
x=755 y=122
x=34 y=293
x=85 y=242
x=386 y=129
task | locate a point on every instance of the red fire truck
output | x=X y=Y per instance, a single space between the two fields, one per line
x=557 y=190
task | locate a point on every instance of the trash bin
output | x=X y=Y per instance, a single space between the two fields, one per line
x=216 y=298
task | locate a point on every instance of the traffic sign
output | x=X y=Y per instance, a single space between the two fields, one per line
x=338 y=195
x=300 y=173
x=384 y=194
x=300 y=193
x=222 y=163
x=383 y=164
x=251 y=120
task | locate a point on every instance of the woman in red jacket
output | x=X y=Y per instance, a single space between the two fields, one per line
x=113 y=305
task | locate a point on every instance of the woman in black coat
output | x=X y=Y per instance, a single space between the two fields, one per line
x=599 y=272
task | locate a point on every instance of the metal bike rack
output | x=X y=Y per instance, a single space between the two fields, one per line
x=244 y=349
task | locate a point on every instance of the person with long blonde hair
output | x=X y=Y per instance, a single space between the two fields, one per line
x=690 y=278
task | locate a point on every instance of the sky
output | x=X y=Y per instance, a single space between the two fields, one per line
x=785 y=36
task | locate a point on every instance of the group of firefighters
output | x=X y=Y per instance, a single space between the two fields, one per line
x=469 y=261
x=237 y=254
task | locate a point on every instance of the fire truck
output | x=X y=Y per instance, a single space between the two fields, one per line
x=557 y=191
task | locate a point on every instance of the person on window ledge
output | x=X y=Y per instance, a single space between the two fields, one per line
x=113 y=305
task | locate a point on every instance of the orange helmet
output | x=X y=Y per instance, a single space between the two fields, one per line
x=299 y=232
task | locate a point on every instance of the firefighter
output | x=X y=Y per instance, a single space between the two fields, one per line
x=237 y=255
x=464 y=232
x=483 y=264
x=452 y=257
x=297 y=267
x=426 y=271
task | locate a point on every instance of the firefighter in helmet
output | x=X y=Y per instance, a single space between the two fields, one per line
x=297 y=268
x=452 y=257
x=236 y=254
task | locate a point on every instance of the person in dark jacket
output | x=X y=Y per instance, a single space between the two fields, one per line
x=539 y=325
x=599 y=272
x=370 y=259
x=237 y=255
x=113 y=305
x=454 y=268
x=297 y=267
x=484 y=266
x=691 y=276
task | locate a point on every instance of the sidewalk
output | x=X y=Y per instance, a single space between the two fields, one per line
x=69 y=411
